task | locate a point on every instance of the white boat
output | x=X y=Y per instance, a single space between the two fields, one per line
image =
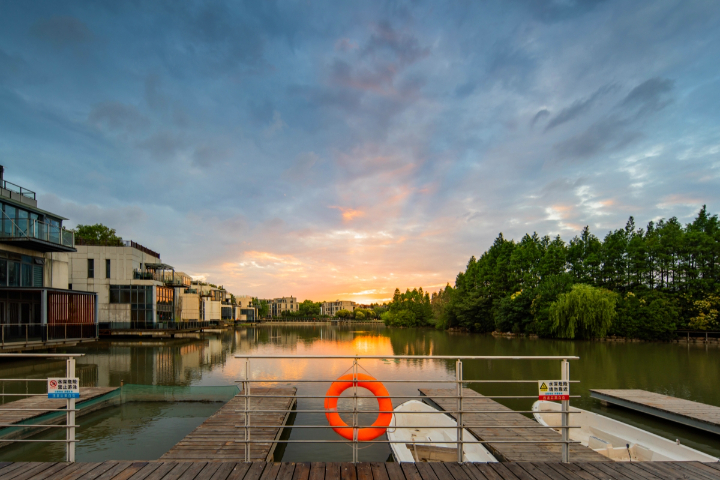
x=616 y=440
x=419 y=443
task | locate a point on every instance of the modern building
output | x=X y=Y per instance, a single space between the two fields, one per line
x=136 y=290
x=331 y=308
x=248 y=311
x=37 y=309
x=211 y=301
x=283 y=304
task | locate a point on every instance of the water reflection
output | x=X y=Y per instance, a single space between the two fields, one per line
x=675 y=369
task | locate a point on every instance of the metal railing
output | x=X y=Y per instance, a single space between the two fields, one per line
x=459 y=397
x=157 y=325
x=18 y=189
x=24 y=333
x=29 y=228
x=69 y=409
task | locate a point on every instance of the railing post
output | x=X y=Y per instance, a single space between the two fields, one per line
x=246 y=392
x=565 y=376
x=355 y=411
x=459 y=415
x=70 y=415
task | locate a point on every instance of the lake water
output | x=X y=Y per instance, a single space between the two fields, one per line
x=147 y=430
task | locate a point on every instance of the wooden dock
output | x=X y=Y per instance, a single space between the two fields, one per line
x=171 y=470
x=689 y=413
x=516 y=431
x=220 y=437
x=31 y=407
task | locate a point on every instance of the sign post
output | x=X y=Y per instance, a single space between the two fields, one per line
x=69 y=389
x=559 y=390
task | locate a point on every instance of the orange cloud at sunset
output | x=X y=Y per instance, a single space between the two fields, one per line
x=349 y=213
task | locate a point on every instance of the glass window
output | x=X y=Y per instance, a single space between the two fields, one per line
x=3 y=272
x=9 y=220
x=125 y=294
x=26 y=279
x=141 y=296
x=14 y=274
x=91 y=268
x=37 y=280
x=114 y=294
x=107 y=268
x=22 y=221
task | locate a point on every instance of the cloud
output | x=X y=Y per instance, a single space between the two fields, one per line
x=578 y=108
x=649 y=96
x=404 y=47
x=62 y=31
x=539 y=116
x=349 y=214
x=116 y=116
x=162 y=146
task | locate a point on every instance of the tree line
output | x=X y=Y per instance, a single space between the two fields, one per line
x=642 y=283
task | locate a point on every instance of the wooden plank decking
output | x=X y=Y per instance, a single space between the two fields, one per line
x=171 y=470
x=509 y=452
x=12 y=413
x=686 y=412
x=35 y=406
x=220 y=437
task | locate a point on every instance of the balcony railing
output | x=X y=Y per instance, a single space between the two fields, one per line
x=35 y=229
x=15 y=333
x=18 y=189
x=147 y=275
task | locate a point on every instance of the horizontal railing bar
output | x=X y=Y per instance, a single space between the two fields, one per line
x=23 y=395
x=391 y=427
x=402 y=381
x=441 y=412
x=23 y=379
x=321 y=397
x=410 y=357
x=40 y=409
x=45 y=441
x=28 y=425
x=36 y=355
x=268 y=442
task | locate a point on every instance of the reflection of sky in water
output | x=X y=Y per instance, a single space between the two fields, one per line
x=685 y=371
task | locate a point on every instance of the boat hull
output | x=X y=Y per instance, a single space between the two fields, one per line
x=421 y=444
x=616 y=440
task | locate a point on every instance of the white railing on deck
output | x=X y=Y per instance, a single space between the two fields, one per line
x=70 y=410
x=459 y=381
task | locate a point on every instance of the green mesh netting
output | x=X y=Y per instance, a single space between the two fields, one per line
x=124 y=394
x=161 y=393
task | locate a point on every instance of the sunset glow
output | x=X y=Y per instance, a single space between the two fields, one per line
x=262 y=147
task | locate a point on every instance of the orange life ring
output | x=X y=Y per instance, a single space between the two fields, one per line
x=377 y=388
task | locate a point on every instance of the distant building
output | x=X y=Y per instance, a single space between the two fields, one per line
x=135 y=289
x=37 y=309
x=276 y=306
x=331 y=308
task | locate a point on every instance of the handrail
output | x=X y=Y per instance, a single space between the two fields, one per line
x=459 y=411
x=38 y=230
x=21 y=190
x=412 y=357
x=70 y=409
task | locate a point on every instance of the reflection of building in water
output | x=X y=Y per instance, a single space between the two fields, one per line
x=158 y=362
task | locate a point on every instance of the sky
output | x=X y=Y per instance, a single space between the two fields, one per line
x=338 y=150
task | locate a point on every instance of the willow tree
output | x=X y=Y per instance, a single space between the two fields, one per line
x=583 y=312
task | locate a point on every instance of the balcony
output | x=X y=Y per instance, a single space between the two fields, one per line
x=36 y=235
x=43 y=317
x=147 y=275
x=16 y=192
